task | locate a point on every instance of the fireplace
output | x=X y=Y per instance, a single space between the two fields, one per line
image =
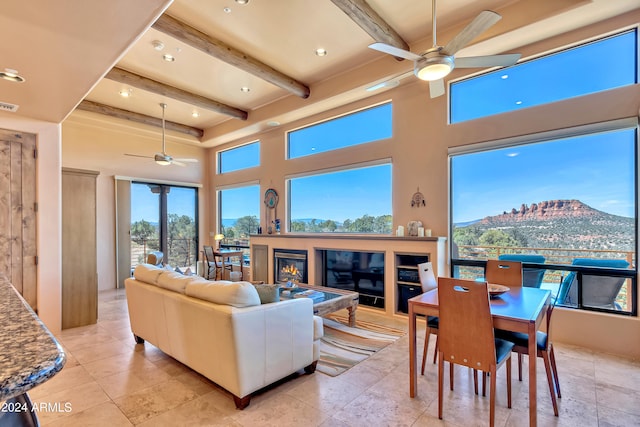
x=290 y=264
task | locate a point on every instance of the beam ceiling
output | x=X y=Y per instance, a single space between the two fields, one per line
x=222 y=51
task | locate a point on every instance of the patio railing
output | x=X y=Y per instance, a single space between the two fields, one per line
x=470 y=260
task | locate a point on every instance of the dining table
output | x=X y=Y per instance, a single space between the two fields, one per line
x=225 y=256
x=520 y=309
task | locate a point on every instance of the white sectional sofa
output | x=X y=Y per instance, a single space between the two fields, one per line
x=221 y=330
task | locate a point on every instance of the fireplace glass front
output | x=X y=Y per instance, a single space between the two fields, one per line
x=290 y=265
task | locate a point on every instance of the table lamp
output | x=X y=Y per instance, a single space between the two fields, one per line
x=218 y=238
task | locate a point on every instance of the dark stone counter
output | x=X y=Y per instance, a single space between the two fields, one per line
x=29 y=354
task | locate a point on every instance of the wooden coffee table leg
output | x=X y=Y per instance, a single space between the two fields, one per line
x=352 y=316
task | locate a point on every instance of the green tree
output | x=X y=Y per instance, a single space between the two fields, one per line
x=181 y=233
x=142 y=230
x=495 y=237
x=298 y=226
x=364 y=224
x=383 y=223
x=469 y=235
x=246 y=225
x=329 y=225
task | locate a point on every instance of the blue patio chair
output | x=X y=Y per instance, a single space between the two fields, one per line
x=531 y=277
x=597 y=291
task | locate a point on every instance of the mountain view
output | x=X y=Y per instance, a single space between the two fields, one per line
x=561 y=224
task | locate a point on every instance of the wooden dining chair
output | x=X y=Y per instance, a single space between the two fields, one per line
x=213 y=267
x=507 y=273
x=466 y=335
x=428 y=282
x=544 y=351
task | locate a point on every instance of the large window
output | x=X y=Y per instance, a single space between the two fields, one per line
x=239 y=214
x=568 y=197
x=364 y=126
x=354 y=200
x=600 y=65
x=164 y=217
x=242 y=157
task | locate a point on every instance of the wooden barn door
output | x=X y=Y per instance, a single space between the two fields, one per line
x=18 y=212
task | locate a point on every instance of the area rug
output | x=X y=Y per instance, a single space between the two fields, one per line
x=343 y=347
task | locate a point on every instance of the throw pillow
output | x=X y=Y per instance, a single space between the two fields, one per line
x=237 y=294
x=268 y=293
x=173 y=281
x=147 y=273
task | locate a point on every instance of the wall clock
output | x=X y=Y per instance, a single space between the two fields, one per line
x=271 y=198
x=271 y=202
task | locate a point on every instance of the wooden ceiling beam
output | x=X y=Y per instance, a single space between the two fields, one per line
x=218 y=49
x=118 y=113
x=368 y=19
x=144 y=83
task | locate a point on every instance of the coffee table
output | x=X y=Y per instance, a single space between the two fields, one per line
x=333 y=300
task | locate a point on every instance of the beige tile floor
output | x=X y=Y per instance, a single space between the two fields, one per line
x=108 y=380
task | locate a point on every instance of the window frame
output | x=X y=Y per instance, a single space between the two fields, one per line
x=355 y=166
x=287 y=151
x=220 y=153
x=557 y=51
x=548 y=136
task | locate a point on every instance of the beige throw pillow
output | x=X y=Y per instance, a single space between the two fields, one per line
x=237 y=294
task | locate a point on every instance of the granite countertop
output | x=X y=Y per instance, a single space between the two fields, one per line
x=29 y=354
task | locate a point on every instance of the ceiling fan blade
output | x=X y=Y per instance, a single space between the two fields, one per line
x=177 y=163
x=478 y=26
x=137 y=155
x=487 y=61
x=436 y=88
x=391 y=82
x=395 y=51
x=187 y=160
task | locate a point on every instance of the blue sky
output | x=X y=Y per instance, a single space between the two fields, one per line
x=597 y=170
x=145 y=204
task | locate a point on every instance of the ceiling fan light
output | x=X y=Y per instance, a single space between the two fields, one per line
x=431 y=69
x=163 y=162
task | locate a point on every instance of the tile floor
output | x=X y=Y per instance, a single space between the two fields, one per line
x=110 y=381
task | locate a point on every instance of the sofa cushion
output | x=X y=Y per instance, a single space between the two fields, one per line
x=268 y=292
x=147 y=273
x=237 y=294
x=173 y=281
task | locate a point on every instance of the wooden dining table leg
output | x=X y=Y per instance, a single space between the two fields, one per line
x=533 y=399
x=413 y=371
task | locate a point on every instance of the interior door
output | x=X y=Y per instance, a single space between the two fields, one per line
x=18 y=212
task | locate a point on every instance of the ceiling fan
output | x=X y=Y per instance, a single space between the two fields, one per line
x=437 y=62
x=163 y=158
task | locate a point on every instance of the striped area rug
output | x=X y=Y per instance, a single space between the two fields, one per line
x=343 y=347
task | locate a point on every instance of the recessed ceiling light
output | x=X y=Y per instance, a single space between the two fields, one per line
x=11 y=75
x=504 y=76
x=321 y=52
x=273 y=123
x=169 y=58
x=195 y=114
x=242 y=1
x=518 y=102
x=157 y=45
x=126 y=93
x=227 y=10
x=245 y=89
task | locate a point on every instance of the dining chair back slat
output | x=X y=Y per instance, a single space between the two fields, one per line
x=466 y=327
x=507 y=273
x=466 y=336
